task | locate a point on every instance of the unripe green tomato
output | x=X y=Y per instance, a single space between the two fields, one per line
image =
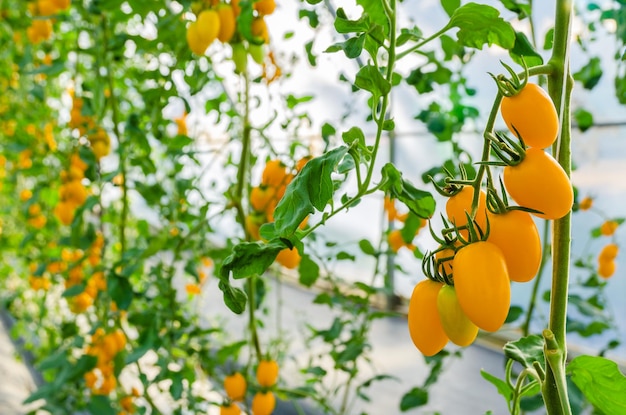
x=459 y=328
x=257 y=52
x=240 y=57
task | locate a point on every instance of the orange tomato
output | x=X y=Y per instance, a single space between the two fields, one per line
x=265 y=7
x=461 y=202
x=235 y=386
x=532 y=116
x=538 y=182
x=263 y=403
x=516 y=234
x=289 y=258
x=424 y=323
x=267 y=373
x=228 y=23
x=482 y=284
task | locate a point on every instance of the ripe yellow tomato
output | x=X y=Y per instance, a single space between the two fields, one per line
x=482 y=284
x=425 y=327
x=263 y=403
x=274 y=173
x=461 y=202
x=265 y=7
x=228 y=23
x=609 y=227
x=261 y=197
x=606 y=268
x=235 y=386
x=267 y=373
x=538 y=182
x=532 y=113
x=231 y=409
x=289 y=258
x=516 y=234
x=459 y=329
x=609 y=252
x=208 y=26
x=259 y=29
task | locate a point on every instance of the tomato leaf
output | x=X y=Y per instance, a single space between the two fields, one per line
x=584 y=119
x=419 y=202
x=309 y=271
x=450 y=6
x=370 y=79
x=311 y=189
x=351 y=47
x=524 y=49
x=345 y=25
x=526 y=350
x=601 y=381
x=503 y=388
x=414 y=398
x=480 y=24
x=590 y=74
x=376 y=12
x=99 y=404
x=250 y=258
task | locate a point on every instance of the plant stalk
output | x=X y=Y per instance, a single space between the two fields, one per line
x=560 y=85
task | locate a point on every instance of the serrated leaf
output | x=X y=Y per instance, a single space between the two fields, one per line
x=250 y=258
x=420 y=202
x=601 y=381
x=311 y=189
x=370 y=79
x=524 y=49
x=526 y=350
x=479 y=24
x=414 y=398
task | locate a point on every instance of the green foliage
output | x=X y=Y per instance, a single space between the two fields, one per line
x=601 y=381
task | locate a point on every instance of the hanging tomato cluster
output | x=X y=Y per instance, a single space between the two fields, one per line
x=104 y=346
x=263 y=401
x=43 y=11
x=240 y=24
x=469 y=275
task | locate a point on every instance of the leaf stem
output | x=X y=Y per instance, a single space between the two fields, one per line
x=545 y=257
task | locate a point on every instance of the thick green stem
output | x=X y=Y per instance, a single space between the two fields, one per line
x=559 y=86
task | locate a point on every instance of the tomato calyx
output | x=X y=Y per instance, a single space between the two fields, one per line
x=508 y=151
x=512 y=86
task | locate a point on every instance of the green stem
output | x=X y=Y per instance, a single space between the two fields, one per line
x=385 y=103
x=544 y=260
x=242 y=181
x=559 y=86
x=121 y=143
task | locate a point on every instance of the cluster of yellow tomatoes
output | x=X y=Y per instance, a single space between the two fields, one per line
x=263 y=200
x=263 y=401
x=42 y=11
x=72 y=193
x=220 y=21
x=99 y=140
x=478 y=259
x=104 y=346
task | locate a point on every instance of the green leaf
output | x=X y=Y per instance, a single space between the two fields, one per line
x=601 y=381
x=583 y=118
x=234 y=298
x=250 y=258
x=345 y=25
x=450 y=6
x=480 y=24
x=367 y=247
x=101 y=405
x=418 y=201
x=414 y=398
x=120 y=291
x=311 y=189
x=590 y=74
x=376 y=12
x=370 y=79
x=526 y=350
x=515 y=312
x=524 y=49
x=522 y=9
x=503 y=388
x=74 y=290
x=309 y=271
x=354 y=134
x=351 y=47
